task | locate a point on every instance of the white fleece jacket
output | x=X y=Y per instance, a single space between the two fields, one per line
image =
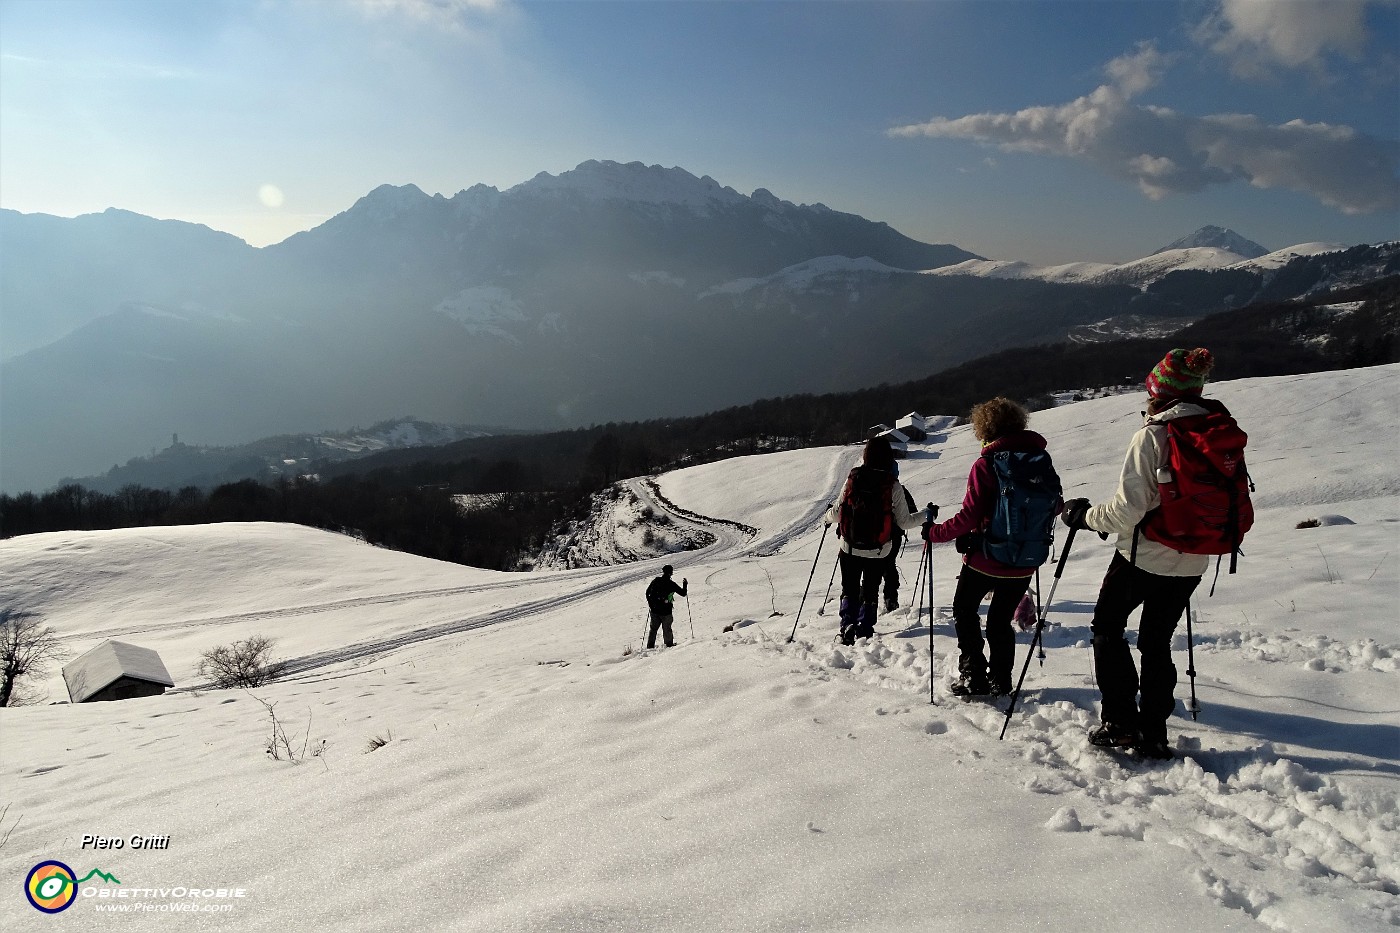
x=1137 y=495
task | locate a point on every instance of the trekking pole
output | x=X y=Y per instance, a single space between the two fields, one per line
x=1041 y=654
x=829 y=584
x=1039 y=628
x=1193 y=706
x=793 y=636
x=919 y=575
x=932 y=514
x=646 y=629
x=690 y=613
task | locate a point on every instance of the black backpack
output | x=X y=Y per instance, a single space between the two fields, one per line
x=657 y=593
x=866 y=520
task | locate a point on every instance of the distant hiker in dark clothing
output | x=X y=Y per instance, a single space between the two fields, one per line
x=1144 y=572
x=1000 y=424
x=871 y=506
x=660 y=594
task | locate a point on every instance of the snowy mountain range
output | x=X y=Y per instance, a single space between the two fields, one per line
x=485 y=751
x=610 y=292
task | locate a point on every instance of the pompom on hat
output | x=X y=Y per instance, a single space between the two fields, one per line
x=1181 y=373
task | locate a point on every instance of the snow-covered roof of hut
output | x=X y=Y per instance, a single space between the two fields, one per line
x=896 y=437
x=109 y=662
x=912 y=418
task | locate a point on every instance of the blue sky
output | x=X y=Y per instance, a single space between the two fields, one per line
x=1042 y=131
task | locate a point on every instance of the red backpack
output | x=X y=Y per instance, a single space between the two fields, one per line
x=866 y=520
x=1204 y=486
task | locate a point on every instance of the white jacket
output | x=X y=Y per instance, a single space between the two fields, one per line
x=1137 y=495
x=902 y=517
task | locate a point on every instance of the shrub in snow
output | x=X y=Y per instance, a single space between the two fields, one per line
x=246 y=663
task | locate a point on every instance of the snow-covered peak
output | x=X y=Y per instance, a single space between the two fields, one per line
x=765 y=198
x=476 y=200
x=648 y=184
x=1219 y=238
x=389 y=201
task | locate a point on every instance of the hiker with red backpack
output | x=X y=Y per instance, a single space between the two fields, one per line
x=1183 y=495
x=1004 y=531
x=871 y=507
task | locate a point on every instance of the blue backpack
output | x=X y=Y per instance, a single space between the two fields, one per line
x=1022 y=527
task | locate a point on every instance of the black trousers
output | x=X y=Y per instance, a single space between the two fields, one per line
x=973 y=587
x=1163 y=600
x=661 y=620
x=860 y=591
x=891 y=572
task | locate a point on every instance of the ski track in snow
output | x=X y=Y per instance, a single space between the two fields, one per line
x=730 y=538
x=1240 y=812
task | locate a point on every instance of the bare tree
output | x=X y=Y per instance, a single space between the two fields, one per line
x=26 y=650
x=246 y=663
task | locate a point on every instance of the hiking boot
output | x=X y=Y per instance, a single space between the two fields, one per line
x=970 y=685
x=891 y=603
x=1154 y=748
x=1109 y=735
x=1000 y=687
x=848 y=634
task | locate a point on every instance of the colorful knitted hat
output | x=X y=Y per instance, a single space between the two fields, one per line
x=1181 y=373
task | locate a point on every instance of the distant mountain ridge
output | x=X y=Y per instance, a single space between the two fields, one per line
x=610 y=292
x=285 y=456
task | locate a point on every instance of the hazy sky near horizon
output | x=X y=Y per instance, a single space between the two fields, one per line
x=1048 y=131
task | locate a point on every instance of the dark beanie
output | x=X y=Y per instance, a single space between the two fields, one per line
x=1181 y=373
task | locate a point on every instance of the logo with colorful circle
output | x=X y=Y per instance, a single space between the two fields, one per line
x=52 y=886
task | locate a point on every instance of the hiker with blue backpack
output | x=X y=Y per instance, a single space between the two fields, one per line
x=871 y=507
x=1183 y=495
x=1004 y=531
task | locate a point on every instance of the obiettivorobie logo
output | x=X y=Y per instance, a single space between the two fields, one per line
x=52 y=886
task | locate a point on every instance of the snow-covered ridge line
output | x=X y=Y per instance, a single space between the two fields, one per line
x=1138 y=271
x=805 y=275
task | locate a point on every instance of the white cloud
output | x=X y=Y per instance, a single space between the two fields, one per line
x=1257 y=36
x=1165 y=152
x=452 y=15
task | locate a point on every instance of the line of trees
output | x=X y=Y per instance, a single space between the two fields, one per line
x=426 y=521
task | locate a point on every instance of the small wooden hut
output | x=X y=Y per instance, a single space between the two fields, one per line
x=115 y=670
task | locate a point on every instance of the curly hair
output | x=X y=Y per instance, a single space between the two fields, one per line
x=998 y=417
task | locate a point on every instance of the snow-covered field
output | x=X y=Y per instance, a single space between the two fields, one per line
x=533 y=776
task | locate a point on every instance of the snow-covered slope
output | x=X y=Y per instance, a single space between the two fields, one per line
x=1282 y=257
x=492 y=759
